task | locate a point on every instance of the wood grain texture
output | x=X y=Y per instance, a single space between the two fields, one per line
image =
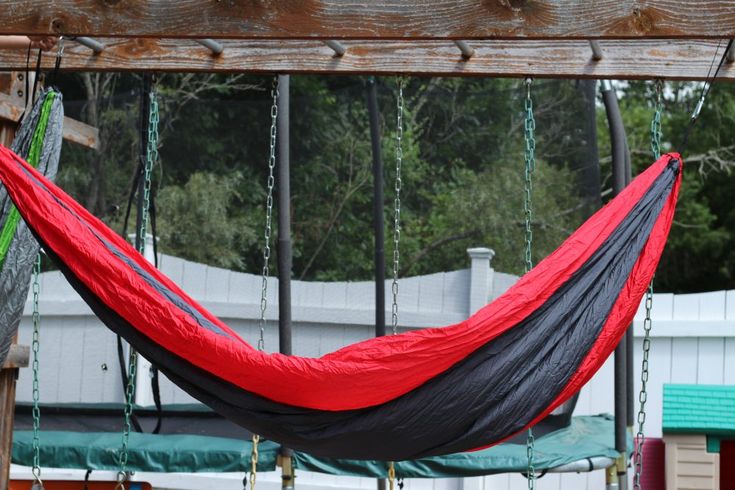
x=380 y=19
x=18 y=357
x=641 y=59
x=7 y=414
x=74 y=131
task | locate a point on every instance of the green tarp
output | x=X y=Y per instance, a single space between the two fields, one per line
x=587 y=437
x=147 y=452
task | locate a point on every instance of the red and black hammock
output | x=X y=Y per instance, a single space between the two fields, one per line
x=422 y=393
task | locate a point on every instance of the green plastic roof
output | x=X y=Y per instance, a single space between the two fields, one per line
x=699 y=409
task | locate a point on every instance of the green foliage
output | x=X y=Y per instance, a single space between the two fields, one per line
x=484 y=208
x=698 y=254
x=199 y=220
x=462 y=172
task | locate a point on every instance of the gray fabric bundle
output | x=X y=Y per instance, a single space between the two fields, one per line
x=15 y=274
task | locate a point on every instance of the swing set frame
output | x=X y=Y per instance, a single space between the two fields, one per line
x=598 y=39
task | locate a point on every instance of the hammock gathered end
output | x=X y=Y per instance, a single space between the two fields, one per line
x=390 y=398
x=38 y=139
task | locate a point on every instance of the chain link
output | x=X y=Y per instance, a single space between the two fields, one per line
x=656 y=132
x=35 y=345
x=151 y=159
x=530 y=166
x=647 y=322
x=396 y=234
x=397 y=205
x=270 y=184
x=643 y=395
x=254 y=462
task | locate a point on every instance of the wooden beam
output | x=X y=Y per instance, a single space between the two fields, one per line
x=624 y=59
x=7 y=410
x=18 y=357
x=384 y=19
x=74 y=131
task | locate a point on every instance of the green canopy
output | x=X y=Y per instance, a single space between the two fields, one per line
x=587 y=437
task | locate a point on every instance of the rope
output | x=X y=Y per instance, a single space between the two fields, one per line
x=270 y=184
x=530 y=166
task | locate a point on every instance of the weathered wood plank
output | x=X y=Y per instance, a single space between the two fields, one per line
x=18 y=357
x=386 y=19
x=7 y=409
x=74 y=131
x=643 y=59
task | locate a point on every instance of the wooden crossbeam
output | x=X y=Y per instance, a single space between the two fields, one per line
x=73 y=130
x=621 y=59
x=383 y=19
x=18 y=357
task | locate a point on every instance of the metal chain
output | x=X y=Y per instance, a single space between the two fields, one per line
x=270 y=184
x=396 y=234
x=530 y=166
x=35 y=345
x=254 y=461
x=640 y=438
x=643 y=395
x=397 y=205
x=656 y=132
x=151 y=159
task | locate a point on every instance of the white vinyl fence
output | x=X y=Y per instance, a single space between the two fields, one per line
x=693 y=342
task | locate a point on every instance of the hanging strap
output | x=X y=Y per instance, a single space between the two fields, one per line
x=706 y=87
x=529 y=167
x=270 y=184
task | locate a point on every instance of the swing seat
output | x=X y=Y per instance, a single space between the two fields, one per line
x=422 y=393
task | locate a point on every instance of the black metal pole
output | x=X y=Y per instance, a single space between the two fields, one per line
x=285 y=254
x=378 y=203
x=617 y=141
x=589 y=174
x=284 y=218
x=629 y=344
x=378 y=216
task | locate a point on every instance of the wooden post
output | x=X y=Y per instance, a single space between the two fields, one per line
x=13 y=85
x=12 y=102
